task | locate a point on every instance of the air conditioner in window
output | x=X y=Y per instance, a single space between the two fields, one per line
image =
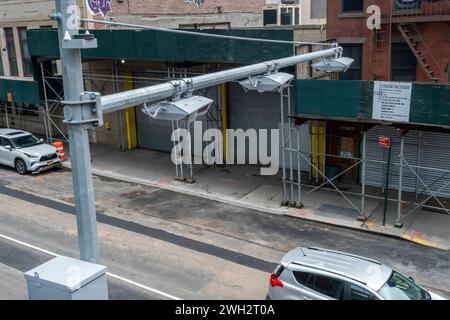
x=282 y=15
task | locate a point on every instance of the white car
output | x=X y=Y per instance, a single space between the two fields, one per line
x=26 y=153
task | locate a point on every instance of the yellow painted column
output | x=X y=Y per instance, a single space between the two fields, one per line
x=318 y=148
x=314 y=149
x=224 y=104
x=130 y=116
x=322 y=148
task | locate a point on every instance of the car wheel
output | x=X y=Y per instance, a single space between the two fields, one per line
x=21 y=166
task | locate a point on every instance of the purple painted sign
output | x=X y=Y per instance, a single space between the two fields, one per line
x=99 y=6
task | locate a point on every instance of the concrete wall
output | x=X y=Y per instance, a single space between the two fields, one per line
x=351 y=28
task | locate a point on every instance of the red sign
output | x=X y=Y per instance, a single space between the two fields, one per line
x=384 y=141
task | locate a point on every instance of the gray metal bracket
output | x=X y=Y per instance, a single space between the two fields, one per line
x=91 y=110
x=80 y=41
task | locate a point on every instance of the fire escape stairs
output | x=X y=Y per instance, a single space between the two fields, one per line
x=411 y=35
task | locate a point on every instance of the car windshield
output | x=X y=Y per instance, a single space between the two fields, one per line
x=398 y=287
x=26 y=141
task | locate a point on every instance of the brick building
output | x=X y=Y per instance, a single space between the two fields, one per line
x=412 y=44
x=176 y=13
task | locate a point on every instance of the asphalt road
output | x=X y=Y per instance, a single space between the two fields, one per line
x=185 y=246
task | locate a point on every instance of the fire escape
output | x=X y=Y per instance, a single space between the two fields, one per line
x=407 y=17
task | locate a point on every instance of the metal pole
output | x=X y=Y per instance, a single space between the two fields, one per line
x=79 y=148
x=419 y=150
x=363 y=174
x=47 y=124
x=398 y=223
x=299 y=171
x=191 y=167
x=160 y=92
x=386 y=189
x=317 y=150
x=6 y=116
x=291 y=169
x=179 y=151
x=283 y=147
x=175 y=150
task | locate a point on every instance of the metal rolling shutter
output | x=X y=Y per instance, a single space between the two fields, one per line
x=262 y=111
x=434 y=151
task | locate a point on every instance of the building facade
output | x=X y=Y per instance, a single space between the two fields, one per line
x=396 y=90
x=411 y=43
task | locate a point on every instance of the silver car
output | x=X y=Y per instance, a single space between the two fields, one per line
x=26 y=153
x=320 y=274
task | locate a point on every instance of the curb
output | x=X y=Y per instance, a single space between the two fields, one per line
x=246 y=205
x=183 y=190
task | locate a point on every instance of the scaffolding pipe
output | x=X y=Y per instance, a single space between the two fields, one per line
x=363 y=173
x=299 y=172
x=398 y=223
x=283 y=148
x=47 y=124
x=160 y=92
x=291 y=169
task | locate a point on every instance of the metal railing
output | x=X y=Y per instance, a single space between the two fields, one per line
x=420 y=8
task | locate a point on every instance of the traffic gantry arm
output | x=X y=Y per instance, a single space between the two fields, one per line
x=168 y=90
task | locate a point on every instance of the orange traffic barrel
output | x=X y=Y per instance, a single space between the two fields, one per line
x=59 y=149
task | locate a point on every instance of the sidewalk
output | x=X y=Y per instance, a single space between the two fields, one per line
x=243 y=186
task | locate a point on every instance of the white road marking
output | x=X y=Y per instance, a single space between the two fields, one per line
x=112 y=275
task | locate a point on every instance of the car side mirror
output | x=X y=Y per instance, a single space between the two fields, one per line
x=412 y=279
x=8 y=147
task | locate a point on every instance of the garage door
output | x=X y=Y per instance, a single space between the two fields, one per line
x=426 y=149
x=261 y=111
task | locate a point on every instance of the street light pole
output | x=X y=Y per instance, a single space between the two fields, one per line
x=72 y=73
x=85 y=109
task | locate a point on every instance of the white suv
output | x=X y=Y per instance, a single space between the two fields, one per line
x=26 y=153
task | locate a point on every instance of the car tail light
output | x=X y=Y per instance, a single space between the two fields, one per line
x=274 y=281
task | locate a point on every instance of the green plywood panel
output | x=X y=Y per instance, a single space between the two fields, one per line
x=430 y=104
x=329 y=98
x=353 y=100
x=163 y=46
x=22 y=91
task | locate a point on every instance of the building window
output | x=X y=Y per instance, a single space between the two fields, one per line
x=11 y=49
x=26 y=59
x=349 y=6
x=318 y=9
x=270 y=17
x=289 y=16
x=353 y=51
x=281 y=15
x=407 y=4
x=404 y=63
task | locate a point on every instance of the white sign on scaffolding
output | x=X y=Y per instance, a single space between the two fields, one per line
x=391 y=101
